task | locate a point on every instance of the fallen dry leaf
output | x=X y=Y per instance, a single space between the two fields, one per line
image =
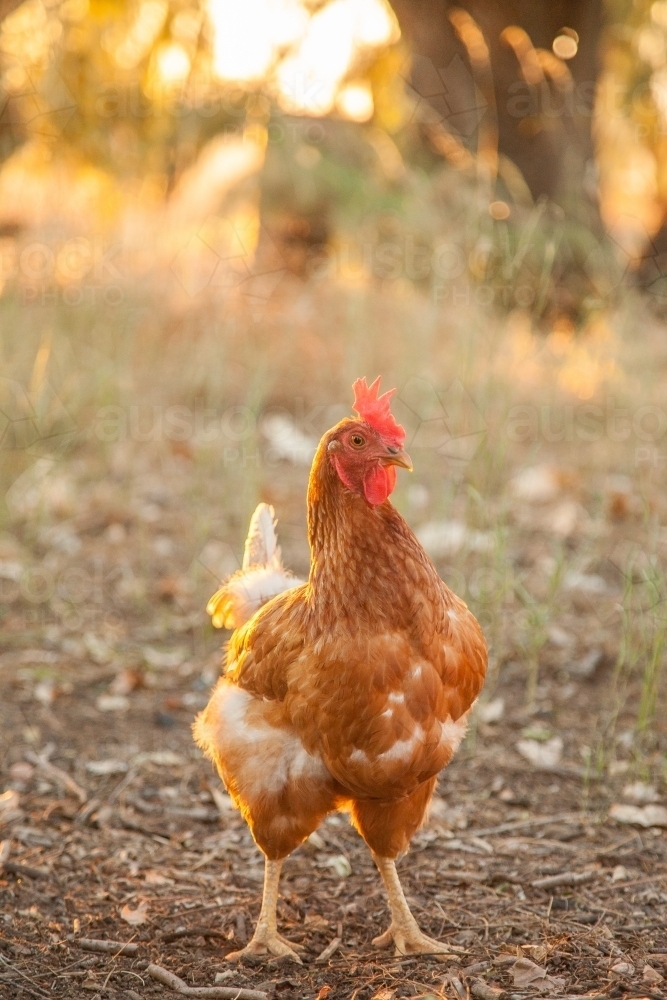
x=340 y=865
x=640 y=794
x=623 y=969
x=21 y=771
x=107 y=766
x=527 y=973
x=45 y=693
x=164 y=659
x=562 y=520
x=154 y=878
x=538 y=952
x=537 y=483
x=112 y=703
x=651 y=975
x=9 y=803
x=163 y=758
x=541 y=755
x=645 y=816
x=135 y=917
x=492 y=711
x=125 y=682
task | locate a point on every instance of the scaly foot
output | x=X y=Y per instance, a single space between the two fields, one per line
x=264 y=944
x=410 y=941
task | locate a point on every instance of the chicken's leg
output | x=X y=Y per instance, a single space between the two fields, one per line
x=403 y=929
x=266 y=940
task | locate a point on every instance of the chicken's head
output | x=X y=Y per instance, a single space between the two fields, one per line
x=365 y=452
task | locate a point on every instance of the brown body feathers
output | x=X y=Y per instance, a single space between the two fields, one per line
x=348 y=691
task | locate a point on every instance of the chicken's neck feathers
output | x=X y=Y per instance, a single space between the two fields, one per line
x=367 y=567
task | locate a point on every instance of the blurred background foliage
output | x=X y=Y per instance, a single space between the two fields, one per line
x=526 y=139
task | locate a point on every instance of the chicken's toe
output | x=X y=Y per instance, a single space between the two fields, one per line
x=384 y=940
x=266 y=946
x=410 y=941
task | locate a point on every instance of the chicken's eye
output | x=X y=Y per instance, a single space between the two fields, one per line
x=357 y=440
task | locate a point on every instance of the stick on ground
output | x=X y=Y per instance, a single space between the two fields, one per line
x=329 y=951
x=13 y=867
x=213 y=992
x=107 y=947
x=565 y=878
x=59 y=776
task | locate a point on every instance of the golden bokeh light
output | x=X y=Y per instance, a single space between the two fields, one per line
x=566 y=44
x=355 y=102
x=306 y=57
x=173 y=63
x=499 y=210
x=248 y=36
x=136 y=44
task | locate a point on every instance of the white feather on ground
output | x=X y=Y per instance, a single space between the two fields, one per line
x=261 y=577
x=287 y=441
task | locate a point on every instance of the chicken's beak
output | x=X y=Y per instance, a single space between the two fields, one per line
x=396 y=456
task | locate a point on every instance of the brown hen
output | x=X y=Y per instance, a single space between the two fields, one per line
x=349 y=691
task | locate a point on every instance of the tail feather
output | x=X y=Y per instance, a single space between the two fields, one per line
x=261 y=545
x=261 y=577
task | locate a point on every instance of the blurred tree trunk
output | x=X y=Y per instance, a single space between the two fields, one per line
x=7 y=6
x=542 y=119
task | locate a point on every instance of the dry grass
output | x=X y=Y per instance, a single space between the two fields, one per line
x=140 y=453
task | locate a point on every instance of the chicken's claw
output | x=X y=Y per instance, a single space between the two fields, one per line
x=265 y=946
x=410 y=941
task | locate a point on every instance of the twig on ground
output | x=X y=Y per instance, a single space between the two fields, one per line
x=129 y=824
x=197 y=931
x=523 y=824
x=588 y=996
x=13 y=867
x=463 y=877
x=565 y=878
x=205 y=860
x=220 y=992
x=329 y=950
x=23 y=976
x=107 y=947
x=482 y=991
x=121 y=786
x=87 y=810
x=56 y=774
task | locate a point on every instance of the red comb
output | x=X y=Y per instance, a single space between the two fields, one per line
x=375 y=410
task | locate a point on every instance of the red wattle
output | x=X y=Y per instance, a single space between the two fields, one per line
x=379 y=483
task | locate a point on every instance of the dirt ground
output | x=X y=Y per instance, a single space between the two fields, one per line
x=116 y=828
